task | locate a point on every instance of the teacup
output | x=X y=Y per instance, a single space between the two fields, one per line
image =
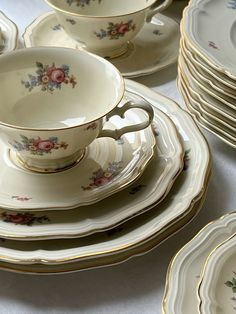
x=54 y=103
x=105 y=27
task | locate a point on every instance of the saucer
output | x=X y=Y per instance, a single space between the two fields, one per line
x=108 y=166
x=160 y=175
x=185 y=269
x=138 y=235
x=8 y=34
x=154 y=48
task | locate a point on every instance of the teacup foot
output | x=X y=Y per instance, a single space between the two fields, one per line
x=61 y=165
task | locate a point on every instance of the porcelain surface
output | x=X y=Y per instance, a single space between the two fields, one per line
x=173 y=212
x=61 y=101
x=159 y=177
x=8 y=34
x=186 y=267
x=206 y=124
x=107 y=167
x=217 y=284
x=213 y=39
x=105 y=27
x=154 y=48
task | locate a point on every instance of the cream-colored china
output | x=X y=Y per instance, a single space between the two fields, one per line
x=61 y=101
x=155 y=47
x=185 y=269
x=150 y=228
x=159 y=177
x=107 y=167
x=216 y=288
x=8 y=34
x=206 y=124
x=212 y=38
x=105 y=27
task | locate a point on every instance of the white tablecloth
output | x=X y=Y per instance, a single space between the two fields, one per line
x=137 y=285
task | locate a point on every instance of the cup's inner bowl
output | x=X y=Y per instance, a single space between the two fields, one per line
x=101 y=7
x=54 y=87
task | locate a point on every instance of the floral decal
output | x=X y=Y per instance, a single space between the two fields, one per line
x=49 y=77
x=137 y=189
x=27 y=219
x=115 y=31
x=232 y=4
x=21 y=198
x=232 y=284
x=72 y=22
x=186 y=159
x=91 y=126
x=56 y=27
x=157 y=32
x=102 y=177
x=155 y=129
x=38 y=146
x=81 y=3
x=212 y=45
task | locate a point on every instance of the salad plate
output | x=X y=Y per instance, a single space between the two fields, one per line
x=213 y=39
x=159 y=176
x=107 y=167
x=217 y=289
x=185 y=269
x=155 y=47
x=8 y=34
x=149 y=228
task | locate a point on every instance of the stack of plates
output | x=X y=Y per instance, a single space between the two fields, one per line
x=207 y=65
x=84 y=217
x=202 y=276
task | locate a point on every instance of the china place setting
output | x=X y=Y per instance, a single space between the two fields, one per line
x=95 y=168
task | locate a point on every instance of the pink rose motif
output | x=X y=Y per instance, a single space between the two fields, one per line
x=17 y=219
x=102 y=181
x=56 y=75
x=45 y=145
x=123 y=28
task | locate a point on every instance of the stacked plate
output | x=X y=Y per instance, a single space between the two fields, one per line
x=47 y=224
x=207 y=66
x=202 y=277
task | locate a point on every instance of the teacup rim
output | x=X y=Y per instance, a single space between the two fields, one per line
x=96 y=16
x=120 y=96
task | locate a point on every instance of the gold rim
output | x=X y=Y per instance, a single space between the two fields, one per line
x=203 y=271
x=195 y=49
x=171 y=265
x=56 y=8
x=122 y=87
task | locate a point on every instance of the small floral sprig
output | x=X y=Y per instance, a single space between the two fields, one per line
x=115 y=31
x=50 y=77
x=81 y=3
x=38 y=146
x=231 y=284
x=91 y=126
x=186 y=159
x=21 y=198
x=102 y=177
x=56 y=27
x=27 y=219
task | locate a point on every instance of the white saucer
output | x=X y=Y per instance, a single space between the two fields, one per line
x=107 y=167
x=154 y=48
x=8 y=34
x=160 y=175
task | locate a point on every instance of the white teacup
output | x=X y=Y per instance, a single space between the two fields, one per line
x=105 y=27
x=55 y=101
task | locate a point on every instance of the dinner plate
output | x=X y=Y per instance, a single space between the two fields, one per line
x=159 y=177
x=185 y=269
x=148 y=229
x=217 y=286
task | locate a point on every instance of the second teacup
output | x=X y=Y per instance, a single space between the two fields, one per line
x=54 y=103
x=105 y=27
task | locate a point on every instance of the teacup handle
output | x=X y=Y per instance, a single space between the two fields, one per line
x=120 y=111
x=154 y=9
